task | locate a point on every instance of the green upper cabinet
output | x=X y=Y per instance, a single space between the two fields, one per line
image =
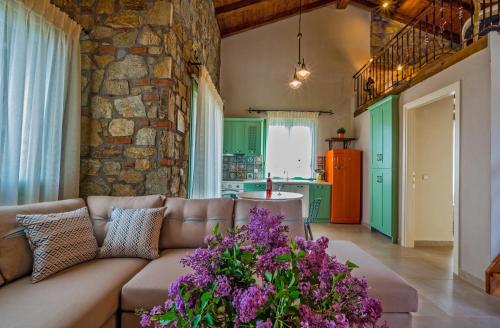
x=384 y=157
x=244 y=136
x=384 y=133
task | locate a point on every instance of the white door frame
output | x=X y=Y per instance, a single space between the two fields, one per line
x=408 y=224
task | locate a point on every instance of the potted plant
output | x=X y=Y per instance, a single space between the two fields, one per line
x=254 y=276
x=341 y=133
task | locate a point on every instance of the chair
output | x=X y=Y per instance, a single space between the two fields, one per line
x=313 y=214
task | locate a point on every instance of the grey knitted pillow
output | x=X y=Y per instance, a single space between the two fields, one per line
x=58 y=241
x=133 y=233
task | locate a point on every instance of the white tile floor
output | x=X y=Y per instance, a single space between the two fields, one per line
x=443 y=301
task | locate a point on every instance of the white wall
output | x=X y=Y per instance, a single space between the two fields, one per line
x=495 y=144
x=257 y=66
x=362 y=132
x=432 y=162
x=477 y=222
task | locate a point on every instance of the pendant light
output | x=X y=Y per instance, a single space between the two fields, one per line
x=300 y=73
x=295 y=83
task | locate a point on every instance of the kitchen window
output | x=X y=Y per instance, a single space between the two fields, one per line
x=291 y=144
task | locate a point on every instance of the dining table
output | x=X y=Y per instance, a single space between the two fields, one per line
x=275 y=195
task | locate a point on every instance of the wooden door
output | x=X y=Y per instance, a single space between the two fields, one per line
x=387 y=205
x=387 y=135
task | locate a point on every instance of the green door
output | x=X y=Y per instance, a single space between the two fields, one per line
x=376 y=137
x=376 y=199
x=387 y=206
x=323 y=192
x=387 y=135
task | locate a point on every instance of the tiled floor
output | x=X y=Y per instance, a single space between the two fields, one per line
x=443 y=301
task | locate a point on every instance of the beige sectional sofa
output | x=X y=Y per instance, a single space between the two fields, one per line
x=106 y=292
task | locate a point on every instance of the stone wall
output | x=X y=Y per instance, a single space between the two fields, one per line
x=136 y=84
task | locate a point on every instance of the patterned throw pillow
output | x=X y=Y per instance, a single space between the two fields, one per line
x=58 y=241
x=133 y=233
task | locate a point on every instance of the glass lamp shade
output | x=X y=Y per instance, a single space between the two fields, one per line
x=303 y=73
x=295 y=83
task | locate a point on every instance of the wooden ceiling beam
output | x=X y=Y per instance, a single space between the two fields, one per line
x=236 y=6
x=342 y=4
x=276 y=17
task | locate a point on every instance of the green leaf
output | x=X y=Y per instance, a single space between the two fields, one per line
x=186 y=297
x=284 y=257
x=301 y=254
x=209 y=319
x=351 y=265
x=215 y=229
x=196 y=320
x=292 y=282
x=269 y=276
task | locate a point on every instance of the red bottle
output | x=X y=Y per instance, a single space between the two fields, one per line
x=269 y=186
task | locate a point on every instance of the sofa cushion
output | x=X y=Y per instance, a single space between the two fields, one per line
x=58 y=241
x=2 y=281
x=149 y=287
x=290 y=209
x=16 y=258
x=384 y=284
x=133 y=232
x=100 y=209
x=188 y=221
x=86 y=295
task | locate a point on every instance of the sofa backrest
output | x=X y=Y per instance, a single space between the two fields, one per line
x=16 y=259
x=290 y=209
x=188 y=221
x=100 y=209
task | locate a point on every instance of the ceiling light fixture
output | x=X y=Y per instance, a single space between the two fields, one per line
x=295 y=83
x=385 y=4
x=300 y=73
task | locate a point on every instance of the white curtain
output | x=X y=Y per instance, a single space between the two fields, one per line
x=207 y=155
x=291 y=143
x=40 y=102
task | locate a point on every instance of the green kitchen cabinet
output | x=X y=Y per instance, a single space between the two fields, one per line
x=323 y=192
x=244 y=136
x=254 y=186
x=384 y=123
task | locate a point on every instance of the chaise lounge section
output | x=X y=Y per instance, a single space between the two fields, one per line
x=106 y=292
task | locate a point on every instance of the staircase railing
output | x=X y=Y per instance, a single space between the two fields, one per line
x=440 y=29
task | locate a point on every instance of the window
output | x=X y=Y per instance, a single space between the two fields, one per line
x=291 y=144
x=39 y=103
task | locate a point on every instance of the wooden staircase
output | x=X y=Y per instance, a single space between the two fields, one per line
x=493 y=277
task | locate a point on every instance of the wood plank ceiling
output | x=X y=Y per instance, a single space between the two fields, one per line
x=235 y=16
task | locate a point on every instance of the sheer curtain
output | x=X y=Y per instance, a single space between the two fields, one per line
x=40 y=102
x=207 y=155
x=291 y=144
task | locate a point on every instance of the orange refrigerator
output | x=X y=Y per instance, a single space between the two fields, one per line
x=343 y=171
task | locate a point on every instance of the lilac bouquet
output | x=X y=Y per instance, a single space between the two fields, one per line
x=253 y=276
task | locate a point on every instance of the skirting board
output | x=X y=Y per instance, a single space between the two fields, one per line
x=474 y=281
x=433 y=243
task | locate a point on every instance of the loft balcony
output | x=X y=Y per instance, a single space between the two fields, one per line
x=439 y=36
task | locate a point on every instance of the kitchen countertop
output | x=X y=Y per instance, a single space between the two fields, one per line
x=290 y=181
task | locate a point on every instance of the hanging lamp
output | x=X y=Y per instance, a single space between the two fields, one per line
x=301 y=72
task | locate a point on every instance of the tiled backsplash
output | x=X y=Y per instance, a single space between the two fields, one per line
x=242 y=167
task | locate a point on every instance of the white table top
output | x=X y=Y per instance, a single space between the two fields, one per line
x=276 y=195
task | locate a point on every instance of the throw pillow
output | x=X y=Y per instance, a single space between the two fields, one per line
x=58 y=241
x=133 y=233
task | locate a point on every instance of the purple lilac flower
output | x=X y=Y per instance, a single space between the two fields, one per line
x=266 y=230
x=268 y=261
x=145 y=320
x=248 y=302
x=224 y=288
x=264 y=324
